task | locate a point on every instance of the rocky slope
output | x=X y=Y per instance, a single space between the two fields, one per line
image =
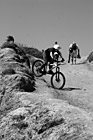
x=30 y=109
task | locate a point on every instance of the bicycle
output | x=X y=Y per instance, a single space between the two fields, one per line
x=57 y=79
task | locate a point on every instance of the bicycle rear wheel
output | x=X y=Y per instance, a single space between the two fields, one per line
x=36 y=68
x=58 y=80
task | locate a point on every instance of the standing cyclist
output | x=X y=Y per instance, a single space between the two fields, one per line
x=72 y=47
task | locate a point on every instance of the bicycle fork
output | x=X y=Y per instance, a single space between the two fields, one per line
x=57 y=74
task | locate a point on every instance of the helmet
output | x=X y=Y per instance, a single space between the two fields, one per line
x=56 y=46
x=10 y=38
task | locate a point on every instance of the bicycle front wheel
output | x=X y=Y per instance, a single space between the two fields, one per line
x=36 y=68
x=58 y=80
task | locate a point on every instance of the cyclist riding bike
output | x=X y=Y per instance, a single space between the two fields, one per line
x=50 y=56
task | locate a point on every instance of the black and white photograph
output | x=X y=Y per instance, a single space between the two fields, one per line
x=46 y=69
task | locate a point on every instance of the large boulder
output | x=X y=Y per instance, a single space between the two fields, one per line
x=15 y=75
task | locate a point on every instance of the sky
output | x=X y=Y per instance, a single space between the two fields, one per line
x=39 y=23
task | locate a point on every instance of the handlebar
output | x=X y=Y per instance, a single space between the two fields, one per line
x=57 y=64
x=55 y=60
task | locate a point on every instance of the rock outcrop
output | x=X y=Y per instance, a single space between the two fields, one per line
x=26 y=114
x=15 y=75
x=90 y=57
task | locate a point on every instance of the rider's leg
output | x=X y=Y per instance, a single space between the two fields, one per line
x=50 y=65
x=44 y=66
x=48 y=59
x=72 y=60
x=75 y=60
x=79 y=53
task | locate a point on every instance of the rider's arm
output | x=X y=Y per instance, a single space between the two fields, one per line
x=60 y=54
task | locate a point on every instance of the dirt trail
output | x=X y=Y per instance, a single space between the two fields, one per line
x=79 y=86
x=78 y=90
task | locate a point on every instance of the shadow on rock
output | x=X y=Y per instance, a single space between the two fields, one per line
x=71 y=88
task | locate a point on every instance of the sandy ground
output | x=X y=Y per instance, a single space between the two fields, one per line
x=78 y=90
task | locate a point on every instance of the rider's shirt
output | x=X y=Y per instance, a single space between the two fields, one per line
x=52 y=52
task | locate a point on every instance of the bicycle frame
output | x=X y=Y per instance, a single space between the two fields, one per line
x=56 y=66
x=57 y=78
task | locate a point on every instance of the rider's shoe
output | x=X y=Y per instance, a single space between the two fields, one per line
x=50 y=72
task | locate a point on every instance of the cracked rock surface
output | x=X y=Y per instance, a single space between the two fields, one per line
x=30 y=109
